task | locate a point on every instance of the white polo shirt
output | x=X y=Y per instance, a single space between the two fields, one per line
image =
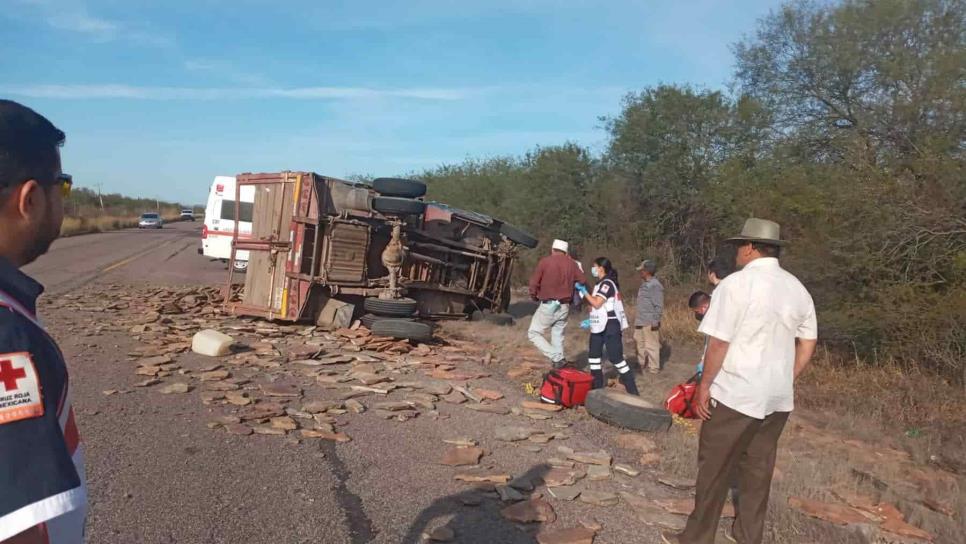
x=760 y=311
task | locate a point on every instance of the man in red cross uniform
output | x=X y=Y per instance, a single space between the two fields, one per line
x=43 y=499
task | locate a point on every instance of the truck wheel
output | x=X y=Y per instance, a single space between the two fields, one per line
x=403 y=328
x=406 y=188
x=240 y=266
x=391 y=205
x=369 y=319
x=390 y=307
x=628 y=411
x=518 y=235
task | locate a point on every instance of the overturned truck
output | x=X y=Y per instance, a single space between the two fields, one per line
x=329 y=251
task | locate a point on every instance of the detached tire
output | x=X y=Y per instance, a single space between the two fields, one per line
x=503 y=320
x=390 y=307
x=405 y=329
x=369 y=319
x=627 y=411
x=518 y=235
x=406 y=188
x=391 y=205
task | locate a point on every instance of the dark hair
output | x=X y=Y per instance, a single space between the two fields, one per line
x=720 y=266
x=610 y=273
x=768 y=250
x=28 y=145
x=697 y=299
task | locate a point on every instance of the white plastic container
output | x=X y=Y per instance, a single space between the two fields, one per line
x=212 y=343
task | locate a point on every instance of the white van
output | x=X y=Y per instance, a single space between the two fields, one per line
x=219 y=227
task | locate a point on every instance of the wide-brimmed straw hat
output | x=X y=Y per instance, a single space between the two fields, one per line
x=760 y=230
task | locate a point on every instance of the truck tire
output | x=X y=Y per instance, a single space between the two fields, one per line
x=518 y=235
x=628 y=411
x=369 y=319
x=391 y=205
x=406 y=188
x=405 y=329
x=390 y=307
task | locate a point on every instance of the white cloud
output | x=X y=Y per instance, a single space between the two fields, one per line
x=73 y=16
x=78 y=92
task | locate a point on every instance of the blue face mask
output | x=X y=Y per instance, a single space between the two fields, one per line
x=594 y=273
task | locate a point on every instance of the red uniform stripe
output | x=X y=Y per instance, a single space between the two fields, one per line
x=71 y=436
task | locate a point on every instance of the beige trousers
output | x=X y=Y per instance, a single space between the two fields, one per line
x=648 y=348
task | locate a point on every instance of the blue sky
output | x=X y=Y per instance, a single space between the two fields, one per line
x=158 y=97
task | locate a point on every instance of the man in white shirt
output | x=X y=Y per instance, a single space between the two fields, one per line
x=762 y=333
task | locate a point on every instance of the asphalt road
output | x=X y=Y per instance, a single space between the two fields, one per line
x=157 y=474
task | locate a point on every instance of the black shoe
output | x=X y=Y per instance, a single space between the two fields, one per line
x=629 y=383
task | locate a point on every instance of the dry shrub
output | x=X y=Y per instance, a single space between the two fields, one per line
x=74 y=226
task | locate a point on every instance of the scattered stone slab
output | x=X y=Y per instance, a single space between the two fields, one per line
x=280 y=390
x=509 y=494
x=221 y=386
x=354 y=406
x=462 y=442
x=284 y=422
x=599 y=498
x=597 y=473
x=324 y=435
x=652 y=515
x=473 y=477
x=238 y=398
x=649 y=459
x=683 y=484
x=437 y=388
x=591 y=457
x=489 y=409
x=238 y=429
x=560 y=463
x=454 y=398
x=488 y=394
x=541 y=406
x=148 y=382
x=457 y=457
x=392 y=406
x=902 y=528
x=214 y=375
x=833 y=513
x=512 y=433
x=564 y=492
x=576 y=535
x=531 y=511
x=264 y=429
x=627 y=470
x=556 y=477
x=319 y=406
x=175 y=388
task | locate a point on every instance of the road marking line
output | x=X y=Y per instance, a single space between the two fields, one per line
x=135 y=257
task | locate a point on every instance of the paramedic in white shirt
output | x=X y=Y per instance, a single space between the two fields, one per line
x=762 y=329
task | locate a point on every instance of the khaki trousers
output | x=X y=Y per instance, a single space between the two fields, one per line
x=648 y=347
x=733 y=444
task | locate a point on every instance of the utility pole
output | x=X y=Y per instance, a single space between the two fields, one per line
x=100 y=196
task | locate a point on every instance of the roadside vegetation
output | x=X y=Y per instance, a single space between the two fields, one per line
x=846 y=123
x=87 y=212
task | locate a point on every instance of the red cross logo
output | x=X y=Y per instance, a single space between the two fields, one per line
x=9 y=375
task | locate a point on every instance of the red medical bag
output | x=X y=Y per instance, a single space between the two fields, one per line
x=567 y=387
x=680 y=400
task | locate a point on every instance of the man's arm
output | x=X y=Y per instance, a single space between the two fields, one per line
x=658 y=298
x=804 y=349
x=579 y=273
x=713 y=361
x=535 y=279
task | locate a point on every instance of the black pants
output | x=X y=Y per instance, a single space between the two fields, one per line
x=612 y=340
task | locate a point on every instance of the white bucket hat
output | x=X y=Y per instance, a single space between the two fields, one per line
x=560 y=245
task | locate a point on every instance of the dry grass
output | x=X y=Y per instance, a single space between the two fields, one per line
x=74 y=226
x=837 y=400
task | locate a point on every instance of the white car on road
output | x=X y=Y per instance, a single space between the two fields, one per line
x=150 y=221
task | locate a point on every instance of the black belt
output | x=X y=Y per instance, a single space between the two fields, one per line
x=562 y=301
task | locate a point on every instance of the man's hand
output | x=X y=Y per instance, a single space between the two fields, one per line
x=702 y=401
